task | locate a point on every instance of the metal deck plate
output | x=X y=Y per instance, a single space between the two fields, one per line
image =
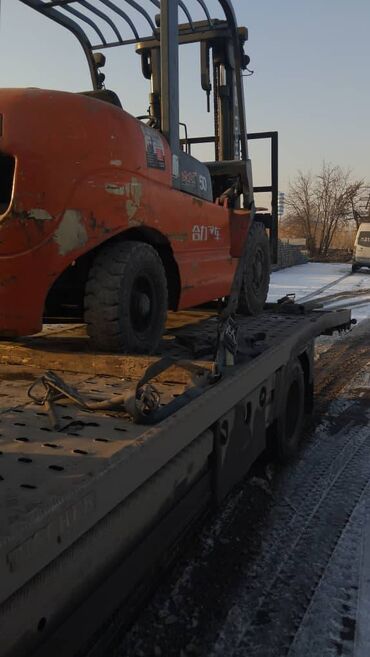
x=39 y=464
x=52 y=482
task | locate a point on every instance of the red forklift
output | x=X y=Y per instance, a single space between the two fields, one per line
x=107 y=218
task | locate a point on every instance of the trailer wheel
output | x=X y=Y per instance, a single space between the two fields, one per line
x=126 y=298
x=256 y=278
x=291 y=413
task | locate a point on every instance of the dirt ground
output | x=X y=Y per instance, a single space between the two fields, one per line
x=283 y=568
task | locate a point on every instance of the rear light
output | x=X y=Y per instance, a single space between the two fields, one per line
x=7 y=166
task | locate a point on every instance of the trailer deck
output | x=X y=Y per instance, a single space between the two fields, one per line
x=97 y=503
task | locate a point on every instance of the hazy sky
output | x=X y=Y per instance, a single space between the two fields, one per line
x=311 y=81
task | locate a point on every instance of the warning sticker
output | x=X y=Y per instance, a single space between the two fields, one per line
x=154 y=149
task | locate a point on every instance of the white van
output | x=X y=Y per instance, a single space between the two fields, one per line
x=361 y=251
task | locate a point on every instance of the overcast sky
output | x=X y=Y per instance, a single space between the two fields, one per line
x=311 y=81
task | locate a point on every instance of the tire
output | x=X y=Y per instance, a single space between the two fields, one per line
x=355 y=268
x=256 y=278
x=291 y=413
x=126 y=298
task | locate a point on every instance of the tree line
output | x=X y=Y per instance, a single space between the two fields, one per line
x=320 y=205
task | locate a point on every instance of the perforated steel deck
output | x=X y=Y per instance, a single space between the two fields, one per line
x=39 y=465
x=56 y=487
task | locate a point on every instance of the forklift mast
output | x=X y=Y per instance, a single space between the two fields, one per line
x=222 y=63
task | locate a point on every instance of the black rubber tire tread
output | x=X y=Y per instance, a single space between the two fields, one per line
x=355 y=268
x=107 y=298
x=285 y=449
x=249 y=302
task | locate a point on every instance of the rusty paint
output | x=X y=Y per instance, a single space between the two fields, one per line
x=71 y=233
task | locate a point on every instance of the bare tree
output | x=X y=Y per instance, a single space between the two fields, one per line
x=301 y=207
x=323 y=203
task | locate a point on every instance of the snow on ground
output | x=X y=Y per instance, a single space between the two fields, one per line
x=305 y=279
x=316 y=279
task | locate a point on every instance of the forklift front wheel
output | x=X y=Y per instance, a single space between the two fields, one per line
x=256 y=277
x=126 y=298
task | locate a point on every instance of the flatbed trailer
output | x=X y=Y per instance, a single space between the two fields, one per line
x=92 y=511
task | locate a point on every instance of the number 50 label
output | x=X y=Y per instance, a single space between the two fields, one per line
x=203 y=183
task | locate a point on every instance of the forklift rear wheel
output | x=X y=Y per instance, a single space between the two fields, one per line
x=256 y=278
x=126 y=298
x=291 y=413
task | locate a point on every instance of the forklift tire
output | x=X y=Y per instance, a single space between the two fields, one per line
x=256 y=278
x=126 y=298
x=355 y=268
x=290 y=419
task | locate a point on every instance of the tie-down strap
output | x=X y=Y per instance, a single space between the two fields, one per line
x=141 y=401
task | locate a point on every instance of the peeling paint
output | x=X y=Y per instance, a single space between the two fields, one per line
x=71 y=233
x=135 y=222
x=136 y=190
x=39 y=214
x=131 y=209
x=116 y=163
x=119 y=190
x=133 y=190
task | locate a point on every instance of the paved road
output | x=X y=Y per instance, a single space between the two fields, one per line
x=284 y=568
